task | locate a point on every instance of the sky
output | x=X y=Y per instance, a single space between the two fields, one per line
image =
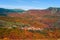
x=29 y=4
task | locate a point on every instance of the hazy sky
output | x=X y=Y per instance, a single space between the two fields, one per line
x=29 y=4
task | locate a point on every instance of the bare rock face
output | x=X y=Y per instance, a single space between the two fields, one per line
x=54 y=10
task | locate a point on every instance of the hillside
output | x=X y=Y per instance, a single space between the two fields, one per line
x=40 y=24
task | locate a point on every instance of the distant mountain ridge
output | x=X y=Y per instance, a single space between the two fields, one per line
x=52 y=10
x=4 y=12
